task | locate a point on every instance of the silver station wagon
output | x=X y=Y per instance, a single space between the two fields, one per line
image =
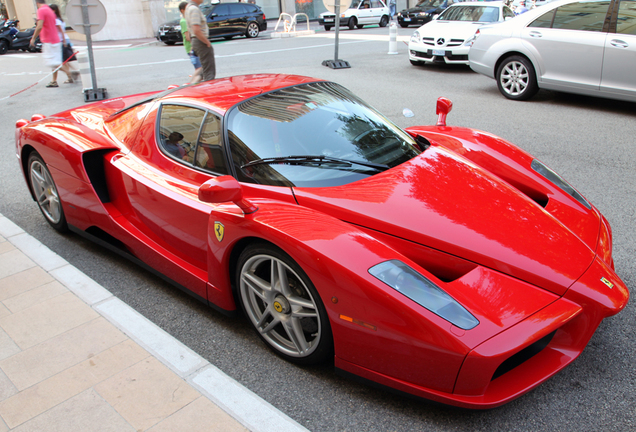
x=585 y=47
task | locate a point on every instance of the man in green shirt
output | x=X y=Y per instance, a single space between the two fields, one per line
x=196 y=76
x=198 y=28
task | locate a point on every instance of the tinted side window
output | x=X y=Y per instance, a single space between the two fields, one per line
x=507 y=12
x=250 y=8
x=222 y=10
x=192 y=136
x=626 y=22
x=237 y=9
x=544 y=21
x=587 y=16
x=178 y=130
x=209 y=153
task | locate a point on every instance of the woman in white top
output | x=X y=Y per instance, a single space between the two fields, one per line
x=66 y=68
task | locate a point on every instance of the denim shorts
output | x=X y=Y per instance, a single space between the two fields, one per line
x=194 y=60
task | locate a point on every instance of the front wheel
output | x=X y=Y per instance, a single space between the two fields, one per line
x=282 y=305
x=252 y=30
x=352 y=23
x=327 y=27
x=384 y=21
x=404 y=25
x=169 y=42
x=4 y=47
x=516 y=78
x=45 y=193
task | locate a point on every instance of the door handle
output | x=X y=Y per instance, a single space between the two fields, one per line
x=535 y=34
x=619 y=43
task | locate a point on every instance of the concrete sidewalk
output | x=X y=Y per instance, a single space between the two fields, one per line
x=75 y=358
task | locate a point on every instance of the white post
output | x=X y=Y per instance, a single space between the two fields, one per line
x=393 y=38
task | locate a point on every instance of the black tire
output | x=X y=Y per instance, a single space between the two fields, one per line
x=327 y=27
x=170 y=42
x=359 y=26
x=45 y=192
x=4 y=47
x=516 y=78
x=384 y=21
x=352 y=23
x=228 y=37
x=417 y=63
x=252 y=30
x=404 y=25
x=289 y=317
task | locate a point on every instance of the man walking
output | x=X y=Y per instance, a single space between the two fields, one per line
x=198 y=27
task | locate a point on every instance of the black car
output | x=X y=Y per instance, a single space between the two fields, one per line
x=423 y=12
x=224 y=20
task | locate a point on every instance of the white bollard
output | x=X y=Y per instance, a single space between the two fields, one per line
x=393 y=38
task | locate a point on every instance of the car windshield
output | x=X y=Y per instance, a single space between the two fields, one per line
x=429 y=3
x=471 y=13
x=313 y=135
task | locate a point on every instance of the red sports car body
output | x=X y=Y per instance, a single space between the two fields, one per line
x=440 y=261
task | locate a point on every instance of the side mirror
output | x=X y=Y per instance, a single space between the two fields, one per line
x=444 y=106
x=225 y=189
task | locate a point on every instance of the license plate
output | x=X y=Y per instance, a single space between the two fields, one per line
x=407 y=19
x=162 y=33
x=439 y=52
x=328 y=19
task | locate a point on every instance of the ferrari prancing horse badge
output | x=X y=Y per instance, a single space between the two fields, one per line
x=219 y=231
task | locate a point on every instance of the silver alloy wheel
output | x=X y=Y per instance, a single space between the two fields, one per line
x=252 y=30
x=45 y=192
x=280 y=306
x=514 y=78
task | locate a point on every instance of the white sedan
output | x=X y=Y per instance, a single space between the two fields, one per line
x=359 y=14
x=447 y=39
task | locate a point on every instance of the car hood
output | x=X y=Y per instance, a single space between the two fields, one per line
x=455 y=29
x=171 y=23
x=445 y=202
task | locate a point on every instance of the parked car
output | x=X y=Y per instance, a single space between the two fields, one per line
x=585 y=47
x=447 y=39
x=359 y=14
x=224 y=20
x=439 y=261
x=423 y=12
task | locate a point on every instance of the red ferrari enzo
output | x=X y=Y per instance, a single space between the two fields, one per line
x=439 y=261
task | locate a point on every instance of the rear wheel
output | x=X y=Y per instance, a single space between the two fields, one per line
x=282 y=305
x=384 y=21
x=252 y=30
x=516 y=78
x=4 y=46
x=228 y=37
x=45 y=192
x=352 y=23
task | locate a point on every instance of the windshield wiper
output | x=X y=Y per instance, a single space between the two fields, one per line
x=300 y=160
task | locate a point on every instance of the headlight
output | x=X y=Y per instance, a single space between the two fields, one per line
x=177 y=28
x=415 y=37
x=422 y=291
x=558 y=182
x=423 y=14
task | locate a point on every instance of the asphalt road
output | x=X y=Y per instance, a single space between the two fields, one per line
x=589 y=141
